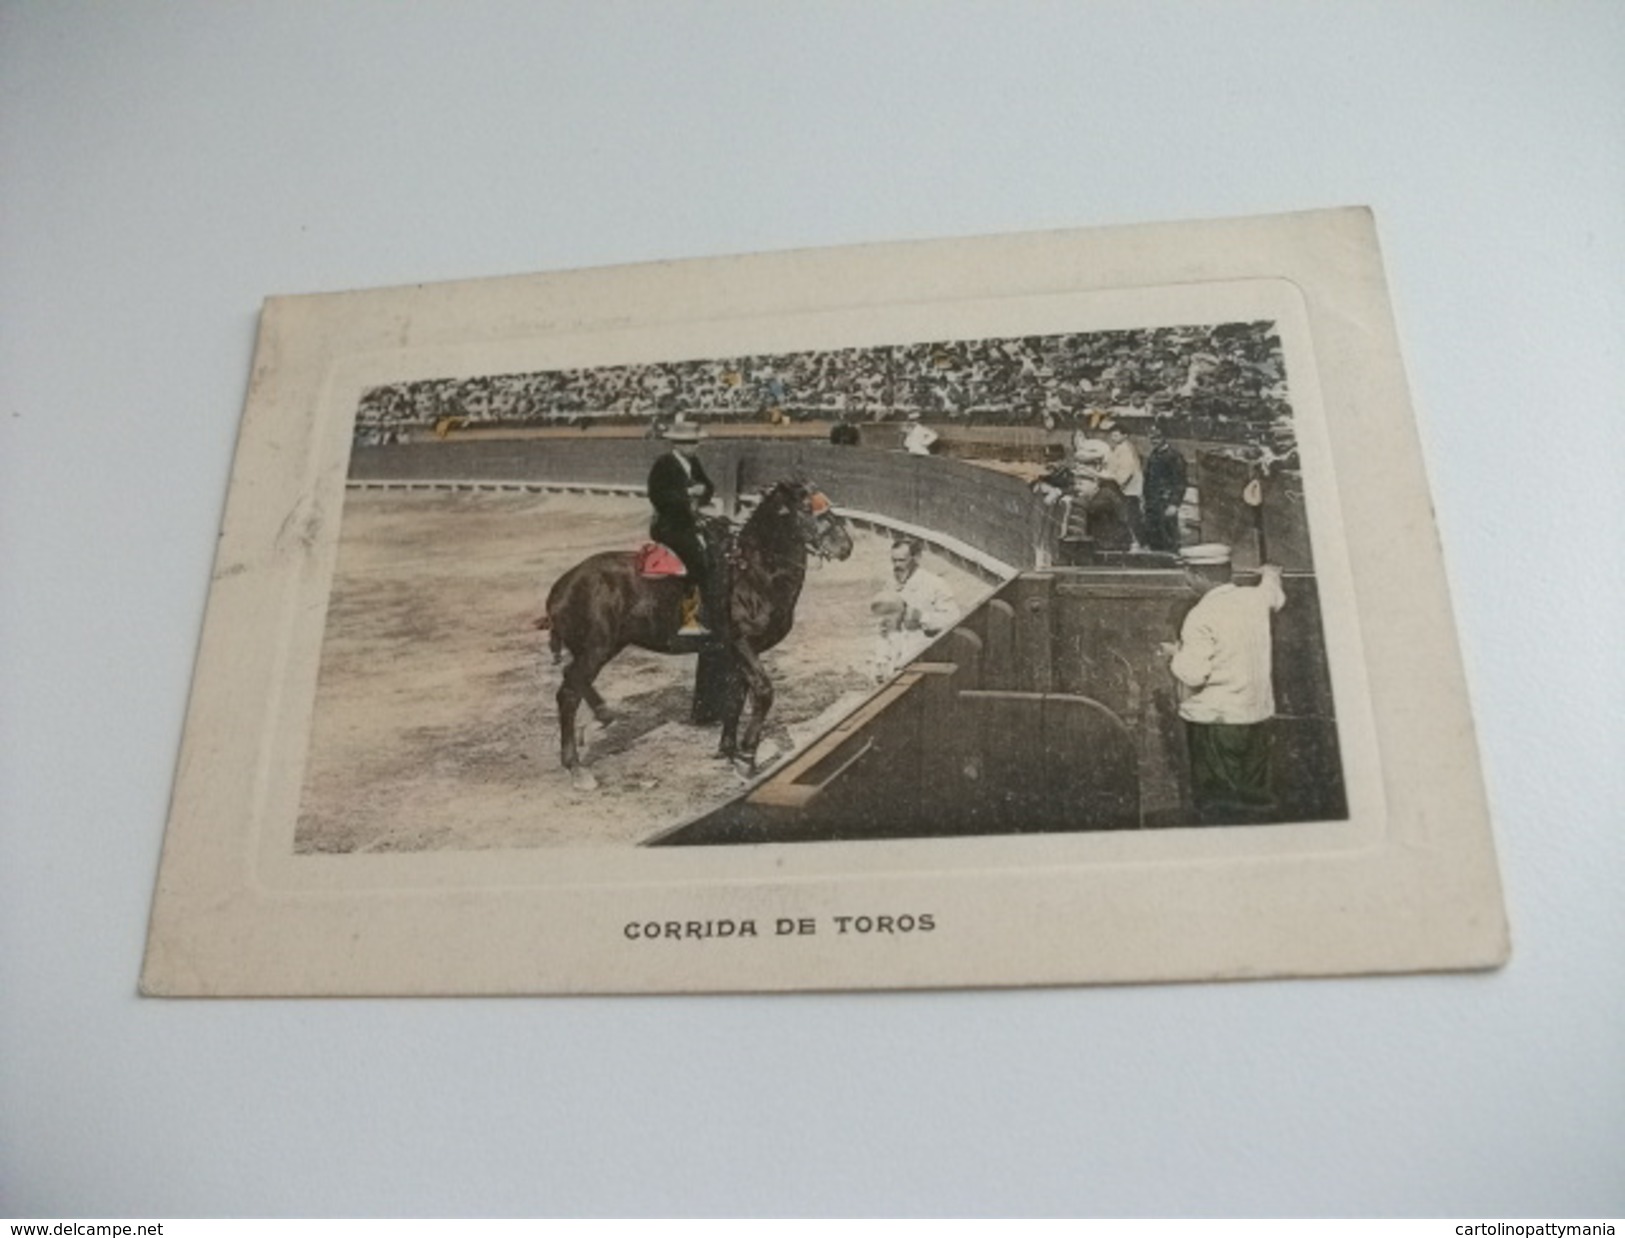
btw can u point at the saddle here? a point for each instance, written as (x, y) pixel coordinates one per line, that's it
(655, 560)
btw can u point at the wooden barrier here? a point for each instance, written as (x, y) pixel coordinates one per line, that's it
(999, 646)
(1049, 708)
(995, 517)
(1226, 517)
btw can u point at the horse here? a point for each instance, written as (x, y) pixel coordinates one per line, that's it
(602, 605)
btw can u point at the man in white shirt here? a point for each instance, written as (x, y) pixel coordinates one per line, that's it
(914, 612)
(917, 439)
(1123, 467)
(1224, 663)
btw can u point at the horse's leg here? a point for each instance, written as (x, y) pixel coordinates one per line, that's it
(577, 686)
(733, 705)
(569, 697)
(760, 688)
(600, 711)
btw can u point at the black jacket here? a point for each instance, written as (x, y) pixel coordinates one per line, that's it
(669, 483)
(1164, 478)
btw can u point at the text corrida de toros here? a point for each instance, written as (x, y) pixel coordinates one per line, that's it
(806, 926)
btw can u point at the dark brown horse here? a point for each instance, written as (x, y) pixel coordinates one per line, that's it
(602, 605)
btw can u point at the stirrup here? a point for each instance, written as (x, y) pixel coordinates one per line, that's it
(691, 616)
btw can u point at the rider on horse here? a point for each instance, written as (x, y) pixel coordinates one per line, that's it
(678, 488)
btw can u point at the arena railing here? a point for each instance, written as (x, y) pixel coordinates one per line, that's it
(986, 520)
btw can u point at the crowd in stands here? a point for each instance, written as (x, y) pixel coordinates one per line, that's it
(1230, 379)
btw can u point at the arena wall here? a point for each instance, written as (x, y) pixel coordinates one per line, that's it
(956, 505)
(1220, 480)
(1049, 708)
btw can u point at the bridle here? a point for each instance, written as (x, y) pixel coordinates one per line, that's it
(824, 519)
(813, 504)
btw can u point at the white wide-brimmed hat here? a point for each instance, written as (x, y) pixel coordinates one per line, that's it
(1206, 554)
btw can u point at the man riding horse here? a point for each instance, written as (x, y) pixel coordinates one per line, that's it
(678, 488)
(606, 602)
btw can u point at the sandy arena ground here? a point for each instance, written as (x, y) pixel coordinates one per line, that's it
(435, 724)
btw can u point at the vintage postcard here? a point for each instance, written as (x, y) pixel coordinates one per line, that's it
(1045, 609)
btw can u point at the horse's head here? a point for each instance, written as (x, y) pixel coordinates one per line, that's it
(801, 507)
(834, 538)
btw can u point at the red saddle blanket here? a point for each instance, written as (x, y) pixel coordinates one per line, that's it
(657, 560)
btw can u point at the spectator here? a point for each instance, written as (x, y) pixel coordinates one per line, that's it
(919, 438)
(1123, 467)
(1223, 663)
(1091, 504)
(1089, 455)
(1229, 379)
(918, 608)
(1165, 482)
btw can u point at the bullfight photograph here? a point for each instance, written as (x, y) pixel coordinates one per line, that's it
(1057, 583)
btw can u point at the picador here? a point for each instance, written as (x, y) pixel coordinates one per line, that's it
(678, 489)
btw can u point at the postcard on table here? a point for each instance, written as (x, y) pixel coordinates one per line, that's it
(1007, 611)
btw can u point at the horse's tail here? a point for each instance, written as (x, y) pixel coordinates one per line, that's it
(544, 623)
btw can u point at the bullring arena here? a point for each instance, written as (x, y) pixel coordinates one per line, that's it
(435, 717)
(435, 728)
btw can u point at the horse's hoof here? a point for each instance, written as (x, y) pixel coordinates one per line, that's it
(582, 779)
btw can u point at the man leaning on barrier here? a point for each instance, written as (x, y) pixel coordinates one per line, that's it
(914, 612)
(1224, 664)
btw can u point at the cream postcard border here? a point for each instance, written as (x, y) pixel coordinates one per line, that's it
(1408, 882)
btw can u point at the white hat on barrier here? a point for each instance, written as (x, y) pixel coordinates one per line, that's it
(1206, 554)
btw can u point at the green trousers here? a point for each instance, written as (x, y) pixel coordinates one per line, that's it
(1230, 773)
